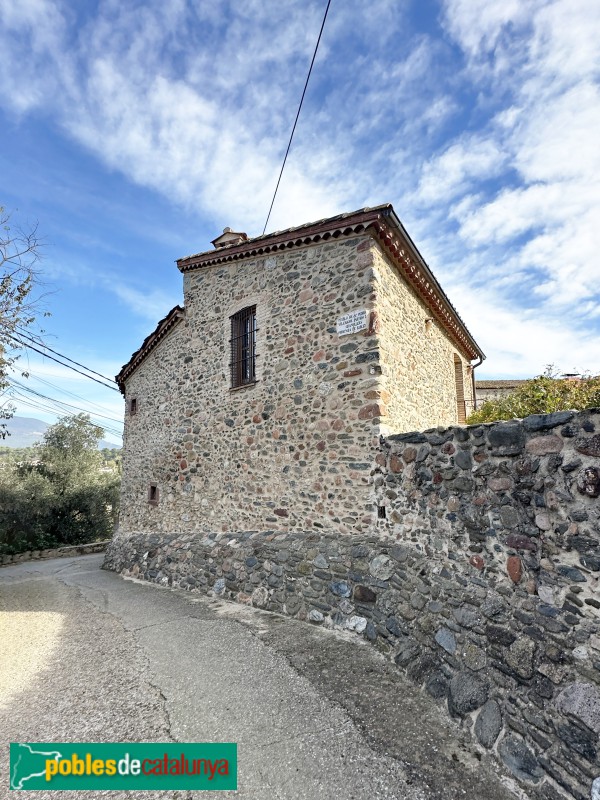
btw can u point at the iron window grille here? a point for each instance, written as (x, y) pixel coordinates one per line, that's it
(243, 347)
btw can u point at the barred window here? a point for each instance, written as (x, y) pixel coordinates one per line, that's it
(243, 347)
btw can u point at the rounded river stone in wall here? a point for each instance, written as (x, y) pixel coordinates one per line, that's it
(260, 597)
(544, 445)
(588, 482)
(467, 692)
(463, 460)
(488, 724)
(589, 446)
(520, 760)
(381, 567)
(340, 588)
(358, 624)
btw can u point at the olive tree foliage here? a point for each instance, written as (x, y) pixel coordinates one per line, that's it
(64, 495)
(19, 254)
(541, 395)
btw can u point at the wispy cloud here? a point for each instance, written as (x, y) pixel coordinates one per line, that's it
(481, 127)
(151, 305)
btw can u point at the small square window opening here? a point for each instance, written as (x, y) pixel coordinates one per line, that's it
(153, 494)
(133, 406)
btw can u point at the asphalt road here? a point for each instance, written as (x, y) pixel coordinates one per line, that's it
(88, 656)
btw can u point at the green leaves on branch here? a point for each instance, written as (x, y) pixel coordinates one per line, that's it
(63, 495)
(541, 395)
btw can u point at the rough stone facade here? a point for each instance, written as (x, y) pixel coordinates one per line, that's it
(293, 450)
(481, 582)
(495, 389)
(417, 356)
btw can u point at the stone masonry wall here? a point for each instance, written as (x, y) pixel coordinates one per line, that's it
(413, 347)
(294, 450)
(481, 582)
(506, 518)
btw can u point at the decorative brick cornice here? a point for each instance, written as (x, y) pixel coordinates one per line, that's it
(173, 318)
(387, 229)
(311, 233)
(417, 274)
(380, 222)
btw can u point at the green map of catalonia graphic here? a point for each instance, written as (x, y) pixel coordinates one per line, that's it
(28, 766)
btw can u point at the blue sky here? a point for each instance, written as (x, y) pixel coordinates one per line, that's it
(134, 132)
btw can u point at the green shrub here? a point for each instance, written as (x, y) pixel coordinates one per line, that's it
(541, 395)
(61, 497)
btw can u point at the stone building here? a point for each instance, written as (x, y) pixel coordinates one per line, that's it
(259, 405)
(495, 389)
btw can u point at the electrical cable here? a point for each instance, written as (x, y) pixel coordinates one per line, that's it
(56, 353)
(297, 115)
(49, 410)
(61, 402)
(37, 350)
(35, 377)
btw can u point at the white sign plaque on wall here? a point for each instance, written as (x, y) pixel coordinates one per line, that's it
(352, 323)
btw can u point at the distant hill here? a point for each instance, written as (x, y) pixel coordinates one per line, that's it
(26, 431)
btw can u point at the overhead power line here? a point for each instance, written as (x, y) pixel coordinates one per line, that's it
(61, 403)
(33, 376)
(297, 115)
(39, 406)
(85, 375)
(66, 358)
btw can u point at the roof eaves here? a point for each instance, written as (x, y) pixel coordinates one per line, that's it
(172, 319)
(308, 233)
(423, 281)
(392, 236)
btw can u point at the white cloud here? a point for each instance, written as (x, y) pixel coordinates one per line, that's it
(457, 168)
(541, 219)
(522, 343)
(501, 192)
(152, 305)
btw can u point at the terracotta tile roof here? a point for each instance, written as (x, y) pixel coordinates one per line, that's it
(166, 324)
(389, 232)
(381, 221)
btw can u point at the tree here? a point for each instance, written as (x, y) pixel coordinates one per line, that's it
(62, 496)
(19, 253)
(541, 395)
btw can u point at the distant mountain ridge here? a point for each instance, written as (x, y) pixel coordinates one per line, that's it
(26, 431)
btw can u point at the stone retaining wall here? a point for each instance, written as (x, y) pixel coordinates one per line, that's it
(56, 552)
(481, 581)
